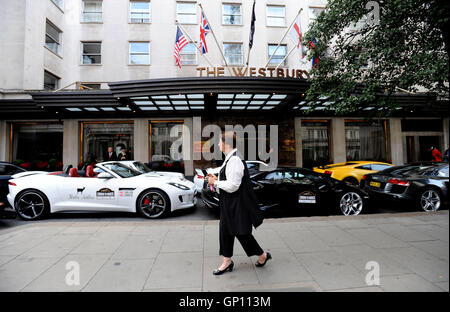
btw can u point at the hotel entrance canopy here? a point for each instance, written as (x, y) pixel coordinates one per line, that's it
(194, 97)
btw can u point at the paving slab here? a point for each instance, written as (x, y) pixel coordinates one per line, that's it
(405, 233)
(56, 277)
(407, 282)
(18, 273)
(243, 275)
(377, 238)
(176, 270)
(303, 241)
(139, 247)
(335, 236)
(436, 248)
(283, 268)
(183, 241)
(331, 271)
(121, 275)
(420, 262)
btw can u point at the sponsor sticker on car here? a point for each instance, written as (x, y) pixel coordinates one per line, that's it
(307, 197)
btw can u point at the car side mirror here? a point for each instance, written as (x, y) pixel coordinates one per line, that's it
(104, 175)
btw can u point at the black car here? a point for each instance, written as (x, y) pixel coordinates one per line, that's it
(424, 184)
(296, 190)
(6, 171)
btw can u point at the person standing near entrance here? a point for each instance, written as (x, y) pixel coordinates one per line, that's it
(238, 207)
(436, 154)
(110, 155)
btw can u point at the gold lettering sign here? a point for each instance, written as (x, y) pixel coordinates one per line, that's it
(253, 72)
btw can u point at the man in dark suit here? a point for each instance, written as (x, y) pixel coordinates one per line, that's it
(110, 155)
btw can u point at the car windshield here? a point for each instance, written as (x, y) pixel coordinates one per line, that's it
(122, 170)
(142, 168)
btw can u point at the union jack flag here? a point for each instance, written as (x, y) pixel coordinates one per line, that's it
(180, 43)
(204, 30)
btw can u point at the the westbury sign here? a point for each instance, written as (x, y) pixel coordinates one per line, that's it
(252, 72)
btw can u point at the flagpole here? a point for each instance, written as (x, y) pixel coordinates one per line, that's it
(217, 42)
(189, 37)
(249, 49)
(287, 31)
(285, 57)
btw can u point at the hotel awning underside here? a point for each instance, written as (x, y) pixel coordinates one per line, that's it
(252, 96)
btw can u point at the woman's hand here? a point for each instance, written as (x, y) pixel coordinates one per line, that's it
(211, 179)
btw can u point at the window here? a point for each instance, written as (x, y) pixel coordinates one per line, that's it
(58, 3)
(280, 54)
(92, 52)
(232, 14)
(315, 143)
(189, 54)
(276, 15)
(314, 12)
(51, 82)
(140, 11)
(92, 11)
(187, 13)
(140, 53)
(379, 167)
(233, 53)
(37, 146)
(365, 141)
(52, 37)
(97, 137)
(166, 143)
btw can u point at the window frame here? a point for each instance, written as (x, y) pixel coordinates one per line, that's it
(242, 52)
(223, 13)
(59, 4)
(310, 19)
(138, 53)
(130, 12)
(285, 63)
(82, 54)
(58, 42)
(195, 53)
(83, 12)
(52, 76)
(190, 14)
(268, 17)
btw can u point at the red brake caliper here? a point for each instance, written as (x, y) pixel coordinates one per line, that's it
(146, 201)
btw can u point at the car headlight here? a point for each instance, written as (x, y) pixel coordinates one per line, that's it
(178, 185)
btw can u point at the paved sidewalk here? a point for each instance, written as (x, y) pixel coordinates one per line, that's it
(309, 254)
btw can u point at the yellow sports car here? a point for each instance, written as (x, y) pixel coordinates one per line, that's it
(352, 171)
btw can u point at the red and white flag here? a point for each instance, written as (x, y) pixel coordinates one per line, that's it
(296, 36)
(180, 43)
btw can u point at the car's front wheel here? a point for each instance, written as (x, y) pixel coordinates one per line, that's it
(153, 204)
(31, 205)
(351, 204)
(430, 200)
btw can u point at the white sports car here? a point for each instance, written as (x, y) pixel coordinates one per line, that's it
(109, 186)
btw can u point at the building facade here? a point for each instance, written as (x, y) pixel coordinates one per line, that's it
(77, 76)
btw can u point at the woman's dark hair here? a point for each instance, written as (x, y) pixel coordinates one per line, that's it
(229, 137)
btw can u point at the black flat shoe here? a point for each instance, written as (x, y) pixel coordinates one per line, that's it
(228, 268)
(269, 256)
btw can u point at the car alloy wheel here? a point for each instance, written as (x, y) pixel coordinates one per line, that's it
(30, 205)
(152, 204)
(430, 200)
(351, 204)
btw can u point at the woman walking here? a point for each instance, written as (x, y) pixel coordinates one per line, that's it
(238, 207)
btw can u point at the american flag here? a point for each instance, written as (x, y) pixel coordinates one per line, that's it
(204, 30)
(180, 43)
